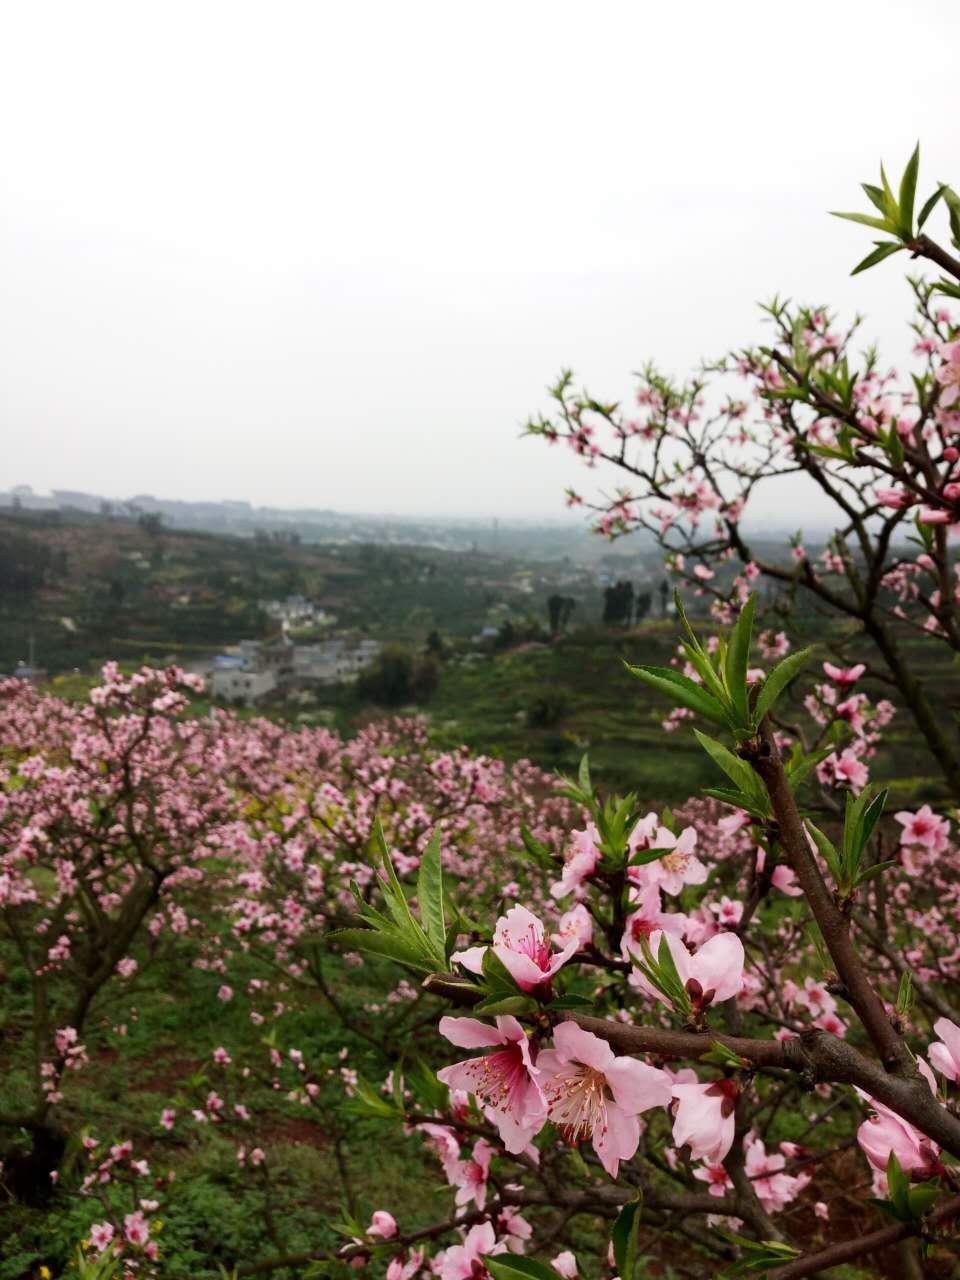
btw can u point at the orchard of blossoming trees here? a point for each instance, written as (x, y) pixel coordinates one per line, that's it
(448, 1018)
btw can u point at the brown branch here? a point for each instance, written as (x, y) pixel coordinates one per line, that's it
(833, 926)
(924, 247)
(847, 1250)
(816, 1054)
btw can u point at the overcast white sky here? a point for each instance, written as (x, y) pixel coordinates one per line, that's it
(329, 254)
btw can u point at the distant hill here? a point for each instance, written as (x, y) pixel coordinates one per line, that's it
(546, 539)
(78, 587)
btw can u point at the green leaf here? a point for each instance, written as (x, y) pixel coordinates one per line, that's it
(876, 197)
(883, 250)
(721, 1056)
(583, 776)
(825, 451)
(624, 1238)
(506, 1004)
(680, 689)
(894, 445)
(777, 681)
(728, 795)
(920, 1198)
(738, 658)
(737, 770)
(930, 205)
(898, 1185)
(537, 851)
(877, 869)
(393, 895)
(798, 768)
(908, 192)
(514, 1266)
(389, 945)
(891, 203)
(369, 1102)
(644, 856)
(879, 224)
(827, 851)
(661, 973)
(430, 895)
(759, 1255)
(572, 1001)
(870, 819)
(497, 975)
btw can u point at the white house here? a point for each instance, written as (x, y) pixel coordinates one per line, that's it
(241, 687)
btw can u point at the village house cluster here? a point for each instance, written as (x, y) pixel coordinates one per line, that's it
(258, 668)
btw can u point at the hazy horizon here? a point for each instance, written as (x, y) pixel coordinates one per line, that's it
(330, 256)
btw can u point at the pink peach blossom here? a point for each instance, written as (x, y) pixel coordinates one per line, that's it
(710, 975)
(885, 1131)
(924, 828)
(704, 1119)
(382, 1224)
(520, 944)
(592, 1093)
(580, 861)
(506, 1080)
(678, 867)
(470, 1176)
(945, 1052)
(844, 677)
(465, 1262)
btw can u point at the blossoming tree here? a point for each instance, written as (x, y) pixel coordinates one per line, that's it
(879, 448)
(660, 1026)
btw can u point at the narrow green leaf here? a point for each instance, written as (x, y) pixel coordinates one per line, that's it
(682, 690)
(737, 770)
(930, 205)
(685, 622)
(876, 870)
(875, 196)
(497, 975)
(702, 663)
(908, 192)
(777, 681)
(624, 1238)
(430, 896)
(891, 201)
(879, 224)
(738, 658)
(870, 819)
(583, 776)
(514, 1266)
(390, 946)
(898, 1185)
(920, 1199)
(883, 250)
(805, 764)
(506, 1004)
(671, 976)
(728, 795)
(539, 852)
(572, 1001)
(827, 850)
